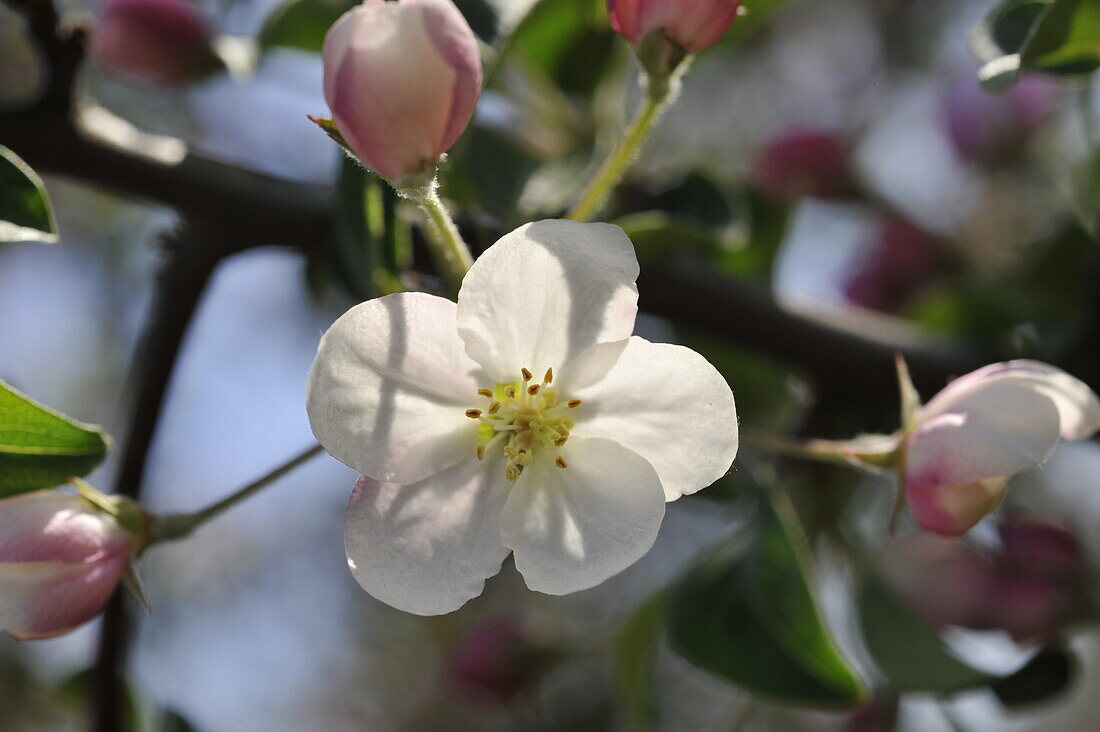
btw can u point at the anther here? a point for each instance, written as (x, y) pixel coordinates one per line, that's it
(526, 374)
(561, 440)
(512, 472)
(510, 392)
(560, 462)
(494, 407)
(487, 393)
(480, 450)
(533, 389)
(549, 378)
(574, 403)
(473, 413)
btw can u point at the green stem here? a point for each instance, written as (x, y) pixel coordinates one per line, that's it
(452, 256)
(659, 92)
(824, 451)
(178, 525)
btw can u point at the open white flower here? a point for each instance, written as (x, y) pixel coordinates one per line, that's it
(524, 419)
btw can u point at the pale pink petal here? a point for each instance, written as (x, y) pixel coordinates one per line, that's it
(546, 292)
(572, 528)
(389, 387)
(427, 547)
(664, 402)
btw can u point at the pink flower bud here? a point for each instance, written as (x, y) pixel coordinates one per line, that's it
(60, 561)
(982, 429)
(691, 24)
(984, 127)
(903, 261)
(803, 162)
(495, 662)
(1041, 550)
(402, 80)
(162, 41)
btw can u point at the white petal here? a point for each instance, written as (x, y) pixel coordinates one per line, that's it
(544, 293)
(388, 390)
(1000, 429)
(1078, 405)
(666, 403)
(572, 528)
(427, 547)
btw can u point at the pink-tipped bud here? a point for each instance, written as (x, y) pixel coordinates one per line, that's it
(691, 24)
(986, 128)
(903, 260)
(402, 80)
(804, 162)
(163, 41)
(496, 661)
(1041, 549)
(60, 561)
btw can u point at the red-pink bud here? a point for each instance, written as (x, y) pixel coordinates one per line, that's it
(1041, 549)
(495, 661)
(984, 127)
(162, 41)
(692, 24)
(803, 162)
(60, 561)
(402, 80)
(903, 261)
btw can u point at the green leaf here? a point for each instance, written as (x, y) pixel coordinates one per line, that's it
(25, 212)
(302, 24)
(1066, 39)
(750, 617)
(40, 448)
(657, 235)
(635, 657)
(908, 650)
(998, 38)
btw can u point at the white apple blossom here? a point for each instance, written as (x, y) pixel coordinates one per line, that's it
(982, 429)
(524, 419)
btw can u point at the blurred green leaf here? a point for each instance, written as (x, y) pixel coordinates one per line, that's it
(750, 617)
(764, 231)
(41, 448)
(25, 212)
(657, 235)
(1046, 675)
(303, 24)
(635, 658)
(1066, 39)
(906, 649)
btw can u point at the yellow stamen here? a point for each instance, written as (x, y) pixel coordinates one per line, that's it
(549, 378)
(487, 393)
(512, 472)
(526, 374)
(494, 407)
(533, 389)
(473, 413)
(574, 403)
(510, 392)
(480, 451)
(560, 462)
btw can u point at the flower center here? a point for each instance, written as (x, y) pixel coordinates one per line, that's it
(521, 417)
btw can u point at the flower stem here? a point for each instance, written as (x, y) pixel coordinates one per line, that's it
(660, 91)
(178, 525)
(451, 254)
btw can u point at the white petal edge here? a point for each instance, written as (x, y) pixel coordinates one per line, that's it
(428, 547)
(571, 528)
(1078, 405)
(546, 292)
(666, 403)
(388, 390)
(997, 430)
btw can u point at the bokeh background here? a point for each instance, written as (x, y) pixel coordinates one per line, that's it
(837, 155)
